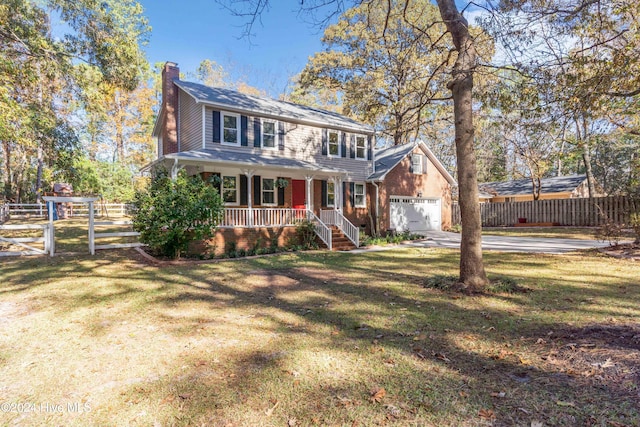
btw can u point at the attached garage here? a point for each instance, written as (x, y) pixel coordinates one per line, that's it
(415, 214)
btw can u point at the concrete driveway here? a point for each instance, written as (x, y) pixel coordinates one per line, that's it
(443, 239)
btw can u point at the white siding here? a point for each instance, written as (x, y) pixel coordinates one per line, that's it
(302, 142)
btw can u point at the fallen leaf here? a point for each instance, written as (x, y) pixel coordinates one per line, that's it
(269, 411)
(442, 357)
(378, 395)
(185, 396)
(486, 414)
(524, 361)
(565, 404)
(498, 394)
(420, 337)
(292, 422)
(535, 423)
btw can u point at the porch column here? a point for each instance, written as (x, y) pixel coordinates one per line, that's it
(309, 179)
(174, 169)
(249, 174)
(337, 187)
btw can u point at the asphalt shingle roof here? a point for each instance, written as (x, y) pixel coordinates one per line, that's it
(388, 158)
(557, 184)
(249, 159)
(267, 106)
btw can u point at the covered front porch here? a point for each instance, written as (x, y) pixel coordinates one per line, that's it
(264, 192)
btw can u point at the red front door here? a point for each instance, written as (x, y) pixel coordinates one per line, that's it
(298, 199)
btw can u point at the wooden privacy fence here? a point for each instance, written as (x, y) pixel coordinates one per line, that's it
(580, 212)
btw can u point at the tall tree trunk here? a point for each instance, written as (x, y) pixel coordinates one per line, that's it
(39, 174)
(6, 151)
(472, 272)
(586, 154)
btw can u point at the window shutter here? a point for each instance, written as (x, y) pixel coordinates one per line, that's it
(323, 193)
(243, 190)
(257, 131)
(424, 164)
(281, 135)
(244, 133)
(219, 187)
(369, 147)
(344, 194)
(325, 143)
(216, 126)
(352, 146)
(343, 143)
(411, 163)
(257, 190)
(352, 194)
(280, 195)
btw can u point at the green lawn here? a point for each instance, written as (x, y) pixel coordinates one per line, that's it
(318, 339)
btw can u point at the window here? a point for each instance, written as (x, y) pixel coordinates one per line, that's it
(268, 191)
(331, 194)
(269, 134)
(416, 163)
(230, 128)
(230, 189)
(361, 147)
(334, 143)
(359, 196)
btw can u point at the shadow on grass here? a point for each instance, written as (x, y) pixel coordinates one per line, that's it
(372, 308)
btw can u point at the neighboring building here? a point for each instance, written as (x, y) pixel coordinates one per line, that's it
(521, 190)
(276, 162)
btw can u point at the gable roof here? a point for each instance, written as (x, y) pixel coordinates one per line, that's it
(558, 184)
(388, 158)
(235, 101)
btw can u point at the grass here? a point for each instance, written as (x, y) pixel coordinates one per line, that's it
(582, 233)
(319, 339)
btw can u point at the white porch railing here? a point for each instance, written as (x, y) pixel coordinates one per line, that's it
(261, 217)
(323, 232)
(334, 217)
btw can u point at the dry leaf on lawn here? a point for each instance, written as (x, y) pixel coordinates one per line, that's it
(269, 411)
(486, 414)
(377, 395)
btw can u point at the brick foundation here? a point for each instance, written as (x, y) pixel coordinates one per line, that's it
(245, 239)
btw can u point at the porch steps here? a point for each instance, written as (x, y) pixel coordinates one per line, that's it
(339, 241)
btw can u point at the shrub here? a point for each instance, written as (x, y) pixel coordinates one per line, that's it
(171, 213)
(306, 235)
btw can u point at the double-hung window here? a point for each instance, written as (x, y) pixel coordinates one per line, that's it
(334, 143)
(269, 133)
(230, 128)
(331, 194)
(359, 197)
(416, 163)
(268, 191)
(230, 189)
(361, 147)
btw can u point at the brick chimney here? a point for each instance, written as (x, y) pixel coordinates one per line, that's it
(170, 73)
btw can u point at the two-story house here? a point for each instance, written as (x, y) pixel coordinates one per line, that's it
(276, 162)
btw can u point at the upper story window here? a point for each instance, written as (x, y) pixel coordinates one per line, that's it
(269, 133)
(230, 128)
(230, 189)
(331, 194)
(268, 191)
(334, 143)
(361, 147)
(416, 163)
(359, 197)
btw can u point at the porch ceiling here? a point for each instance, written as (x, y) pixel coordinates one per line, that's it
(248, 160)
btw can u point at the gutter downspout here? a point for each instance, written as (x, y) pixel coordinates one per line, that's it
(377, 207)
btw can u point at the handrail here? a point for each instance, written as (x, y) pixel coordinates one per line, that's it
(334, 217)
(321, 229)
(260, 217)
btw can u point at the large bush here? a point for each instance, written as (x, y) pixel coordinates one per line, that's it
(170, 214)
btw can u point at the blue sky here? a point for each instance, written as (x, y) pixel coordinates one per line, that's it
(189, 31)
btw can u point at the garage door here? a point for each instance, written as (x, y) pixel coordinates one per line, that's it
(415, 214)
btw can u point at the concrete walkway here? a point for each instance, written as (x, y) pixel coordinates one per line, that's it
(443, 239)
